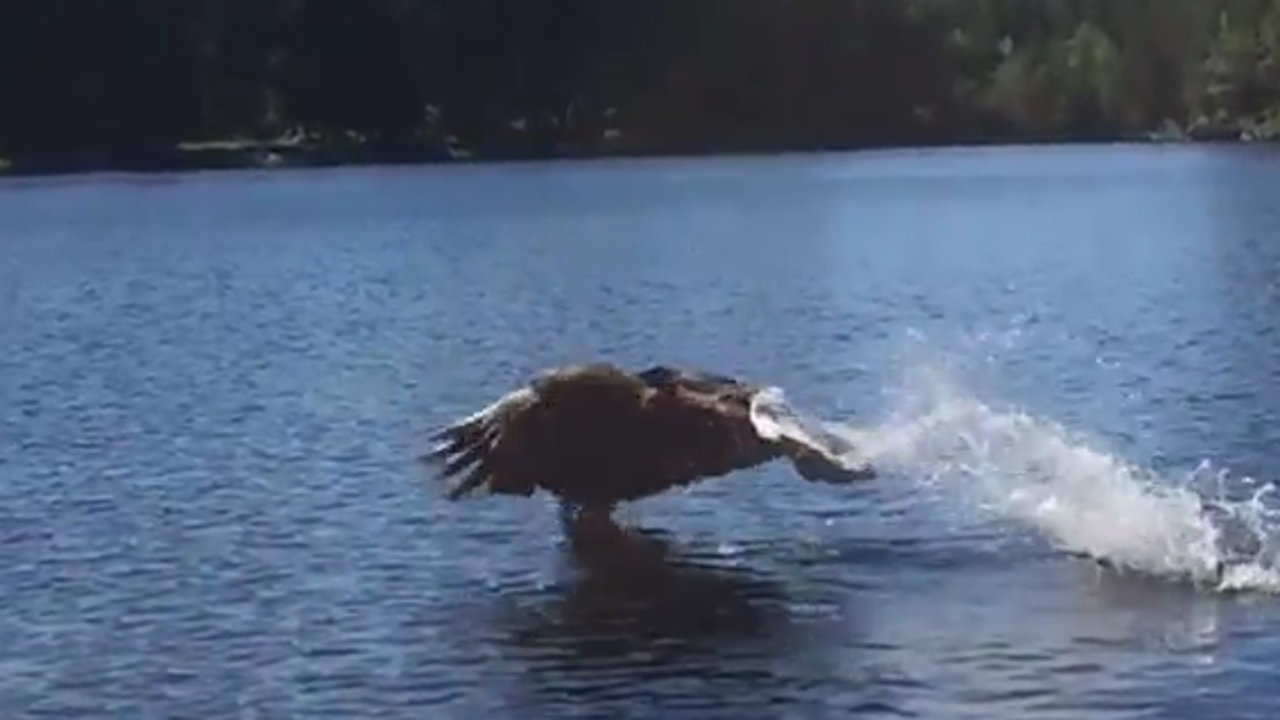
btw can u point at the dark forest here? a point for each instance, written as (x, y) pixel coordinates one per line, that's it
(132, 83)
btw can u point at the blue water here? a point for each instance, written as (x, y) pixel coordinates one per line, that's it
(213, 388)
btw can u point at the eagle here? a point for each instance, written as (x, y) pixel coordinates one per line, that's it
(597, 435)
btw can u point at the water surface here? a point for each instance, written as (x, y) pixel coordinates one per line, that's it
(214, 387)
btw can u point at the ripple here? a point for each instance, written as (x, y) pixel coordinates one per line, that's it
(208, 506)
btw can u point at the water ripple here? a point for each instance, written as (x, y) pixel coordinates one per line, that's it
(213, 388)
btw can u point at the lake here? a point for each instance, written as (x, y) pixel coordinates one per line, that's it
(214, 388)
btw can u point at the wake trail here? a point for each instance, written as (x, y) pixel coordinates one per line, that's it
(1034, 473)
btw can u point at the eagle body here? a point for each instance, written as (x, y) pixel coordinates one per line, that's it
(597, 435)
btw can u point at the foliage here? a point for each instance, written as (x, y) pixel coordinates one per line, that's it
(510, 78)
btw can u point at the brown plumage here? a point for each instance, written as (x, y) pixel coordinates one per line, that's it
(596, 435)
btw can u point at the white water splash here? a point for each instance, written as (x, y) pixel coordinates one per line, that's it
(1037, 474)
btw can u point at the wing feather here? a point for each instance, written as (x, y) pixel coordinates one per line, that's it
(476, 444)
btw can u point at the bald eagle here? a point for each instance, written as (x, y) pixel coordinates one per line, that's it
(596, 435)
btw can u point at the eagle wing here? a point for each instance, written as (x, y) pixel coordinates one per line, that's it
(714, 425)
(554, 433)
(483, 444)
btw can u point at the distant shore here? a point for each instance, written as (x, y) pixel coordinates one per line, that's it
(268, 154)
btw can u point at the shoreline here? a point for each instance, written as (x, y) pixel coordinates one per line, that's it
(271, 155)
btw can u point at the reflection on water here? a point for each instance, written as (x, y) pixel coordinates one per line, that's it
(652, 619)
(622, 598)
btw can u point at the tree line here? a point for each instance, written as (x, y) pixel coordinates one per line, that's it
(517, 78)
